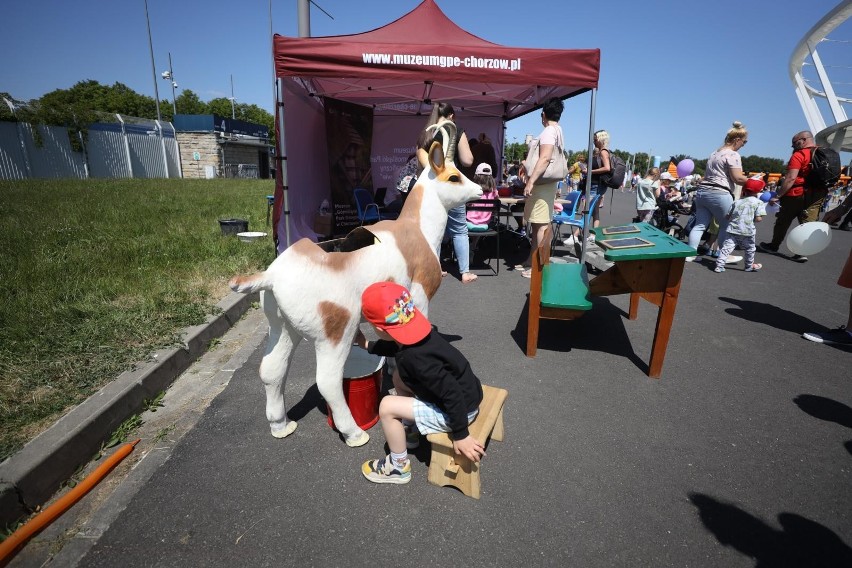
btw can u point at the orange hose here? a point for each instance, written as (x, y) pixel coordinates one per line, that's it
(10, 546)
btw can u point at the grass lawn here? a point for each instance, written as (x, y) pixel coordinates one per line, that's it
(97, 274)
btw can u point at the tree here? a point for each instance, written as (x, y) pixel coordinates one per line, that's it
(222, 107)
(516, 151)
(187, 102)
(82, 103)
(257, 115)
(761, 164)
(642, 162)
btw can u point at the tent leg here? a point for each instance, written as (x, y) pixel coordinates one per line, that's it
(282, 159)
(587, 215)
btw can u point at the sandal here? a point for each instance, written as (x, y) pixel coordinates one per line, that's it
(467, 278)
(754, 267)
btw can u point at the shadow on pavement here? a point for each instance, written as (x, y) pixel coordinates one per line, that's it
(776, 317)
(603, 320)
(770, 315)
(825, 409)
(312, 400)
(828, 410)
(799, 542)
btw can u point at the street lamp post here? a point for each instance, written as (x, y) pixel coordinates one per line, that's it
(233, 110)
(170, 75)
(153, 67)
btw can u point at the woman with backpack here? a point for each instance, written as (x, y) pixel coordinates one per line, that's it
(601, 166)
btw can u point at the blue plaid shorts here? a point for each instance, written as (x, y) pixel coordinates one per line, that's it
(430, 419)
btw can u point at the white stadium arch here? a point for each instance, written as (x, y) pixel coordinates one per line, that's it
(837, 131)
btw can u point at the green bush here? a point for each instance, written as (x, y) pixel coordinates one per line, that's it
(97, 274)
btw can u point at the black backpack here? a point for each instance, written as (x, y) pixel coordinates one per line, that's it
(825, 168)
(617, 170)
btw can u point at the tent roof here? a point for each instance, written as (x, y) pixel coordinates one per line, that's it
(423, 56)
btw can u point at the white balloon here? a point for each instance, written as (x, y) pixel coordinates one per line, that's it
(809, 238)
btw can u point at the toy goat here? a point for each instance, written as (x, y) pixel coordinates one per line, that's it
(310, 293)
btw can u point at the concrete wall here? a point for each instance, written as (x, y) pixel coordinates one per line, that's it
(208, 153)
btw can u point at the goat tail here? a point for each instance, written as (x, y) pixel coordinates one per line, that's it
(251, 283)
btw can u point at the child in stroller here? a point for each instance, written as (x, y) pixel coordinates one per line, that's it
(670, 204)
(666, 217)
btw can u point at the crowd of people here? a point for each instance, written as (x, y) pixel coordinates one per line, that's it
(436, 390)
(718, 209)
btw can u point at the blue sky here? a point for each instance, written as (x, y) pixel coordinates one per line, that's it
(674, 74)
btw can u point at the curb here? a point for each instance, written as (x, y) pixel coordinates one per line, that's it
(32, 475)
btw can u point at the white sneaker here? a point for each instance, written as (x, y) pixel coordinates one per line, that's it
(570, 241)
(690, 259)
(590, 238)
(733, 259)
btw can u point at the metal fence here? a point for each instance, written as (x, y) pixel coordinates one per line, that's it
(129, 148)
(244, 171)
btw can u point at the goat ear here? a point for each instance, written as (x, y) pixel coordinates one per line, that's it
(436, 157)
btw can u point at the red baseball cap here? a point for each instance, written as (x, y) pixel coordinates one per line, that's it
(754, 185)
(389, 307)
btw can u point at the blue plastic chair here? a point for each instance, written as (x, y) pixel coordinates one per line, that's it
(568, 213)
(368, 210)
(571, 219)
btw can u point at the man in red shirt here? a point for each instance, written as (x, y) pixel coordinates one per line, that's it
(797, 200)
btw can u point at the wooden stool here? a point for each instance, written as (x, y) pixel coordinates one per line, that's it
(447, 468)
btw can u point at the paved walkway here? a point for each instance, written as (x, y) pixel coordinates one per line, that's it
(740, 455)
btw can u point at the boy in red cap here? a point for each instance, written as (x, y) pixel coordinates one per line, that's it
(745, 212)
(436, 389)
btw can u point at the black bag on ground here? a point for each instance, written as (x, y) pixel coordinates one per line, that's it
(825, 169)
(617, 170)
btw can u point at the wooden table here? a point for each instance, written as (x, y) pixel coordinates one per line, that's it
(509, 201)
(653, 273)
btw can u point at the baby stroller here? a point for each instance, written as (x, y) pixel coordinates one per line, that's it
(666, 217)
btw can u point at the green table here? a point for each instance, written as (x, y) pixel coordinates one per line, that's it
(653, 273)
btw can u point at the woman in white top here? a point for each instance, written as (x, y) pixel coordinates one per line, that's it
(715, 193)
(538, 208)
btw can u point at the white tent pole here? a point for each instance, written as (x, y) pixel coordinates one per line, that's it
(587, 217)
(282, 158)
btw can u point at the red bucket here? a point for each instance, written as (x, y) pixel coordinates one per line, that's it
(362, 382)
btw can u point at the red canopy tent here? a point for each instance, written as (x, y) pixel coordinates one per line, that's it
(397, 71)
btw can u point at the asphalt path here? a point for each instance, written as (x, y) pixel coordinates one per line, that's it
(740, 455)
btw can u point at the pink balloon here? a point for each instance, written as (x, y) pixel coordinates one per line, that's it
(685, 167)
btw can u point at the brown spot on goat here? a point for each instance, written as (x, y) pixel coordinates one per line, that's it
(335, 318)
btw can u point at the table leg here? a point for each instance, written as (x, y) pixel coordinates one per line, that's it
(634, 306)
(658, 281)
(665, 317)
